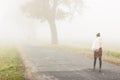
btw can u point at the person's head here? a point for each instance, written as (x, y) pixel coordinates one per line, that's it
(98, 35)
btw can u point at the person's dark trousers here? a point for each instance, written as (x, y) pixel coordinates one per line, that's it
(100, 62)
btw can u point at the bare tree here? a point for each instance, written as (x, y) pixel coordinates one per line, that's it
(52, 10)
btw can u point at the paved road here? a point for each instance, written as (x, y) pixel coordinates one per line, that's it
(57, 64)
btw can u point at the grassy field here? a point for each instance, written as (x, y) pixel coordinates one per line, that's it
(111, 56)
(112, 53)
(11, 67)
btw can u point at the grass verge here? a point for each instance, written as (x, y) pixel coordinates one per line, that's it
(11, 67)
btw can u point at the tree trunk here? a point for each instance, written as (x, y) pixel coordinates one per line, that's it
(54, 36)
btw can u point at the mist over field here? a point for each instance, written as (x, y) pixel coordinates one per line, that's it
(96, 16)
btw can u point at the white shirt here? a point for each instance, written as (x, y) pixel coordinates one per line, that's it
(97, 43)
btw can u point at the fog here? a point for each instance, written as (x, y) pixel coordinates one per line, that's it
(96, 16)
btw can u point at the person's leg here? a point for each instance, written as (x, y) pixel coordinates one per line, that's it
(95, 58)
(100, 63)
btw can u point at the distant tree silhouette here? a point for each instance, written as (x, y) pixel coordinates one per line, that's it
(52, 10)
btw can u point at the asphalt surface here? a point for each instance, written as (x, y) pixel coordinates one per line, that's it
(57, 64)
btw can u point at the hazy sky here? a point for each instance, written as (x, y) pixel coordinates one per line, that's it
(97, 16)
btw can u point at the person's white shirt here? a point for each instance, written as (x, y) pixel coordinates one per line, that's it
(97, 44)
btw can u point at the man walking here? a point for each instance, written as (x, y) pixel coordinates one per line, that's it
(97, 49)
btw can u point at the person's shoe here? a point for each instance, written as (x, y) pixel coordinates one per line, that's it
(93, 69)
(99, 70)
